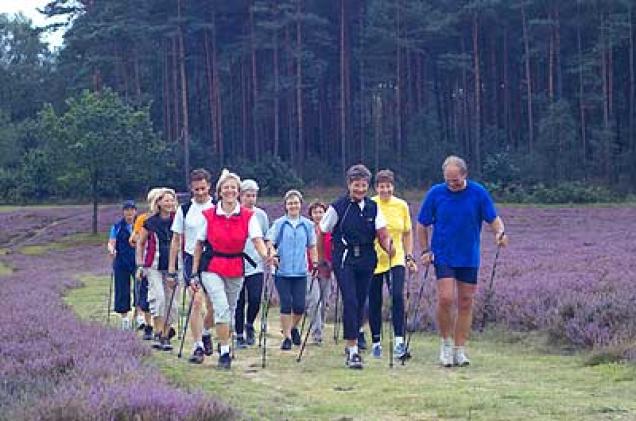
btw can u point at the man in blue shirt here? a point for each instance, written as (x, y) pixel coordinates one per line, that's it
(456, 210)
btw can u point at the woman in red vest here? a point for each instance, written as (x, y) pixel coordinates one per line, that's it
(227, 227)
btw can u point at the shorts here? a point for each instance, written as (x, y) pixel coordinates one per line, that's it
(462, 274)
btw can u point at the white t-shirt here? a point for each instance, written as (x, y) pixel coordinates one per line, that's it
(330, 219)
(193, 221)
(254, 227)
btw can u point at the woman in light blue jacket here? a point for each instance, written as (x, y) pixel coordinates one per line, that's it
(292, 235)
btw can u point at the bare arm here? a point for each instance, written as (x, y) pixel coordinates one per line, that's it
(497, 226)
(385, 241)
(175, 246)
(313, 254)
(196, 259)
(141, 244)
(111, 246)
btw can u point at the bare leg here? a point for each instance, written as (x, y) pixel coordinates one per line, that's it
(445, 301)
(466, 293)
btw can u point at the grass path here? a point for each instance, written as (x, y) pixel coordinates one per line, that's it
(508, 381)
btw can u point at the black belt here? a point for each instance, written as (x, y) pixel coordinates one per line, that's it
(235, 256)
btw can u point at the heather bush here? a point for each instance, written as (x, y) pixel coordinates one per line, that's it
(54, 367)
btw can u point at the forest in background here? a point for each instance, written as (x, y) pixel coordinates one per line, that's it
(537, 95)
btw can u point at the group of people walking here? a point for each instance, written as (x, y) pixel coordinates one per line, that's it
(224, 251)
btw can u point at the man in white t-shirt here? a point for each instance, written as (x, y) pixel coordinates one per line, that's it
(187, 222)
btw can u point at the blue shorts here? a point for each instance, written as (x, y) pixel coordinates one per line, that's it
(462, 274)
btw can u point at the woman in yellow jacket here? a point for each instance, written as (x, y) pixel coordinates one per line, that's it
(398, 218)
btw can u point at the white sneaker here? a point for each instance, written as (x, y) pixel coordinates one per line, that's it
(125, 324)
(459, 357)
(446, 355)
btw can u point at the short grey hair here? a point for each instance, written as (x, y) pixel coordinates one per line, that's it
(358, 172)
(293, 193)
(455, 161)
(249, 184)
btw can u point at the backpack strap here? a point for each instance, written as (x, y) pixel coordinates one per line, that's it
(279, 236)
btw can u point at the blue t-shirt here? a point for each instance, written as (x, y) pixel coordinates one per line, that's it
(457, 218)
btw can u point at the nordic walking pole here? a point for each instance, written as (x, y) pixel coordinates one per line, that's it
(302, 324)
(336, 327)
(391, 287)
(165, 322)
(185, 325)
(180, 312)
(110, 296)
(417, 309)
(488, 302)
(316, 310)
(407, 303)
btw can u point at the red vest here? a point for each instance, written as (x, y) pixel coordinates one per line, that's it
(227, 235)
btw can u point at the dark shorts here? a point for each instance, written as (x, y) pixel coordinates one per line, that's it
(462, 274)
(187, 267)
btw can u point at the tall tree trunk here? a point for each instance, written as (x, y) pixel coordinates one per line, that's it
(276, 90)
(477, 113)
(632, 84)
(299, 89)
(255, 94)
(398, 85)
(216, 83)
(551, 59)
(583, 124)
(184, 99)
(211, 96)
(175, 90)
(526, 47)
(343, 120)
(506, 88)
(363, 102)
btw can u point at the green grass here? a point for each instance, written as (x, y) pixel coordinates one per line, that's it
(65, 243)
(509, 379)
(5, 269)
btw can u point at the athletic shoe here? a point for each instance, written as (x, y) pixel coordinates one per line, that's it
(317, 340)
(446, 355)
(355, 361)
(157, 344)
(399, 351)
(225, 362)
(376, 350)
(165, 344)
(362, 343)
(295, 336)
(208, 349)
(171, 333)
(141, 322)
(148, 333)
(197, 356)
(459, 357)
(250, 338)
(125, 324)
(286, 345)
(240, 342)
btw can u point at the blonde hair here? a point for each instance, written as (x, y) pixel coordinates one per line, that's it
(154, 207)
(225, 176)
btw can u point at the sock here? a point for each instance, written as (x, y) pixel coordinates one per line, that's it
(225, 349)
(376, 344)
(206, 332)
(140, 320)
(239, 335)
(353, 349)
(447, 341)
(399, 340)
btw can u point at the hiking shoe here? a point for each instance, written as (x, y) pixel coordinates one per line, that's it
(446, 355)
(225, 362)
(355, 361)
(250, 338)
(317, 340)
(208, 349)
(172, 333)
(295, 336)
(197, 356)
(459, 357)
(165, 344)
(141, 322)
(399, 351)
(156, 343)
(376, 351)
(148, 333)
(286, 345)
(362, 343)
(240, 342)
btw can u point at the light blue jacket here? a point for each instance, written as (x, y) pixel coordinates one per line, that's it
(292, 238)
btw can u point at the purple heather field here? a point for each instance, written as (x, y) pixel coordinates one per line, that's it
(569, 272)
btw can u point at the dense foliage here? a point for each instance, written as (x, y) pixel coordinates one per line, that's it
(544, 88)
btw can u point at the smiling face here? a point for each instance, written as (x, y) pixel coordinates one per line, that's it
(316, 214)
(385, 190)
(166, 203)
(200, 190)
(229, 191)
(292, 206)
(358, 189)
(248, 198)
(455, 178)
(129, 214)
